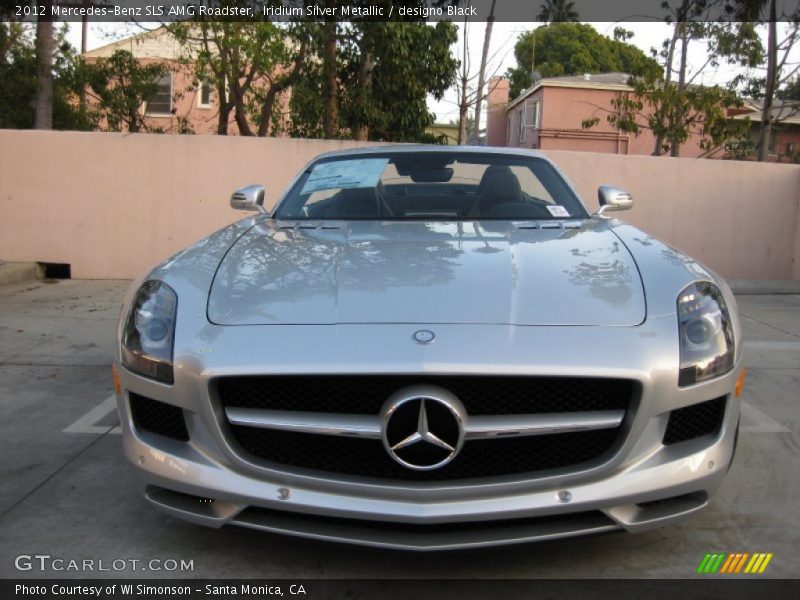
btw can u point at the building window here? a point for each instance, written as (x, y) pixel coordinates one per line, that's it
(161, 102)
(537, 114)
(521, 123)
(508, 129)
(204, 94)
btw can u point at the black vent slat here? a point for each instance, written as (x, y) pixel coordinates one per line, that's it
(694, 421)
(481, 395)
(158, 417)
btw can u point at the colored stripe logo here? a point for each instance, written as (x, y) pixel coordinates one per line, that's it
(735, 562)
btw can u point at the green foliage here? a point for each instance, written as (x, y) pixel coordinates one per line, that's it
(674, 114)
(18, 81)
(574, 49)
(383, 80)
(791, 91)
(247, 63)
(394, 107)
(119, 85)
(674, 108)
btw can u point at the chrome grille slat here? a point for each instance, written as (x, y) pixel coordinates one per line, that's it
(476, 427)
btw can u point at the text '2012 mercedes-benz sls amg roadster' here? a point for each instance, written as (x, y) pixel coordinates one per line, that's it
(430, 348)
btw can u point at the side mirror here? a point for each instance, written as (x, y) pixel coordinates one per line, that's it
(612, 198)
(249, 198)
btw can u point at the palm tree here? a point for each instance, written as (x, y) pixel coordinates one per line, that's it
(44, 68)
(557, 10)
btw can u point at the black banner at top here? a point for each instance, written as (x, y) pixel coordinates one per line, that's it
(622, 11)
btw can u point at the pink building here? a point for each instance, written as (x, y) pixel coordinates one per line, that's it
(549, 116)
(181, 99)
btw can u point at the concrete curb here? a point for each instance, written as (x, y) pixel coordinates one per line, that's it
(16, 272)
(749, 287)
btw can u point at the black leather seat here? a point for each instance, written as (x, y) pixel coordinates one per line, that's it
(354, 203)
(497, 186)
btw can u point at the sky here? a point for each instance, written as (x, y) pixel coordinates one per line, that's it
(501, 52)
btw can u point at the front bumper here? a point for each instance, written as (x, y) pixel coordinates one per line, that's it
(646, 484)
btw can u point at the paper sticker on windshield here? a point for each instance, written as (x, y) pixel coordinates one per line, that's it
(341, 174)
(557, 210)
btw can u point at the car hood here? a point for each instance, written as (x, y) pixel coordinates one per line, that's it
(415, 272)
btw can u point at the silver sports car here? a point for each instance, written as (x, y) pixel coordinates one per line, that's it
(430, 348)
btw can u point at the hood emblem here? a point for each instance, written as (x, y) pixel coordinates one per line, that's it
(424, 336)
(423, 432)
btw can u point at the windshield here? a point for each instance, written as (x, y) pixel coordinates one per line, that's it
(430, 186)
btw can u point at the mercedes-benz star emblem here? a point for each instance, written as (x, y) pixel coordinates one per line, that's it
(424, 336)
(423, 432)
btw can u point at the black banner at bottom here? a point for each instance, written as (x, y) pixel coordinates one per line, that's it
(405, 589)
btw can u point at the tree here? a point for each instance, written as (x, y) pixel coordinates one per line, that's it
(674, 114)
(487, 38)
(678, 106)
(691, 23)
(249, 64)
(18, 81)
(379, 88)
(45, 42)
(574, 49)
(777, 79)
(119, 86)
(557, 10)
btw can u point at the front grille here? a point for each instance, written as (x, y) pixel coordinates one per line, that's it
(478, 458)
(695, 421)
(158, 417)
(481, 395)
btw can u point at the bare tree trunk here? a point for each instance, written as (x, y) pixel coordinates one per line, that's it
(224, 108)
(463, 102)
(674, 146)
(659, 147)
(487, 38)
(765, 132)
(278, 87)
(361, 131)
(330, 120)
(44, 68)
(240, 111)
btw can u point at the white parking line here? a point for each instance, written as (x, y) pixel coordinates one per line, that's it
(763, 423)
(88, 422)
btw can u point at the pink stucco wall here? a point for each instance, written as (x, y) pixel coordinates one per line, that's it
(112, 204)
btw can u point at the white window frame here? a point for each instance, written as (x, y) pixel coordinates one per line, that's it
(521, 123)
(147, 112)
(537, 114)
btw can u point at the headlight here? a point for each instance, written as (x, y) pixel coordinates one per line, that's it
(706, 334)
(149, 332)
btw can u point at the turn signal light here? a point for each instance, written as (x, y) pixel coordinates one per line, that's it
(118, 385)
(740, 382)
